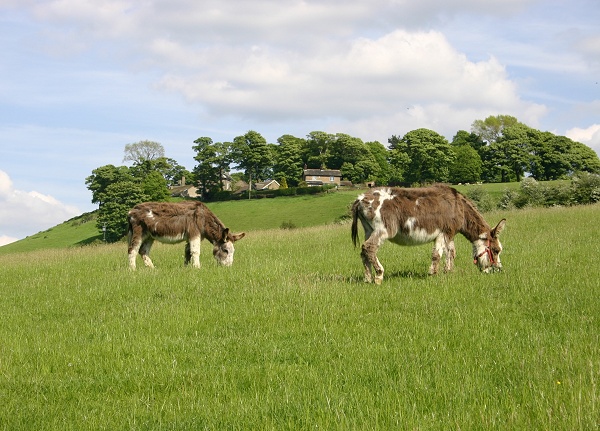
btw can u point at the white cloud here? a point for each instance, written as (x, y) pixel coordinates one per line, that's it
(25, 213)
(86, 77)
(280, 61)
(589, 136)
(365, 80)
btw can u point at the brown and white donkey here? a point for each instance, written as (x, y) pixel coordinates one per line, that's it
(413, 216)
(188, 221)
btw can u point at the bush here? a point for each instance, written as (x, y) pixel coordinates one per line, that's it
(482, 199)
(288, 225)
(586, 188)
(508, 199)
(559, 195)
(532, 193)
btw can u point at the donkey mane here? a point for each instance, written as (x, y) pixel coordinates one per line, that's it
(474, 223)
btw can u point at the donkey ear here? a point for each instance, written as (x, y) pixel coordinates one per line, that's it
(499, 228)
(225, 235)
(237, 236)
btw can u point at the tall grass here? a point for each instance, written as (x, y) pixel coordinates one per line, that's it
(290, 337)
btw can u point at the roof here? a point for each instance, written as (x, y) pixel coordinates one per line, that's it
(323, 172)
(261, 185)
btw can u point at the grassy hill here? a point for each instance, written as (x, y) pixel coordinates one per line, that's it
(244, 215)
(256, 214)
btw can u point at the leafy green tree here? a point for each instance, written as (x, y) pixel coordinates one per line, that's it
(467, 165)
(142, 151)
(550, 157)
(173, 172)
(463, 137)
(288, 160)
(380, 155)
(103, 177)
(584, 159)
(149, 173)
(252, 154)
(427, 156)
(155, 187)
(511, 151)
(398, 162)
(353, 158)
(317, 150)
(120, 197)
(554, 157)
(492, 128)
(208, 170)
(503, 157)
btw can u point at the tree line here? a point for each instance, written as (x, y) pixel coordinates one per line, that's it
(497, 149)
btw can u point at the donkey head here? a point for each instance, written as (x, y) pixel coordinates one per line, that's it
(486, 250)
(223, 248)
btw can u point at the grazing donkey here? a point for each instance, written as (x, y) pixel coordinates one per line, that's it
(416, 216)
(189, 221)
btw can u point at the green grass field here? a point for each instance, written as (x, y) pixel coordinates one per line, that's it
(256, 214)
(291, 338)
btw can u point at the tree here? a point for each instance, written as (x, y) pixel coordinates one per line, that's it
(208, 169)
(511, 151)
(467, 165)
(120, 197)
(252, 154)
(103, 177)
(174, 173)
(154, 186)
(463, 137)
(288, 160)
(380, 155)
(426, 156)
(584, 159)
(317, 150)
(353, 158)
(550, 157)
(142, 151)
(491, 129)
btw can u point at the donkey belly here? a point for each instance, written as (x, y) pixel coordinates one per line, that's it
(173, 239)
(416, 236)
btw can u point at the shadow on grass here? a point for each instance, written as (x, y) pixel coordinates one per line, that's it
(96, 239)
(407, 274)
(359, 279)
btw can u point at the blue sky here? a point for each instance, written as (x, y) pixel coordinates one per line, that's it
(80, 79)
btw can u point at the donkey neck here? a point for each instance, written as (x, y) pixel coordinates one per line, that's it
(213, 229)
(474, 224)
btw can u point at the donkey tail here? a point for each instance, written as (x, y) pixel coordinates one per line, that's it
(129, 230)
(355, 210)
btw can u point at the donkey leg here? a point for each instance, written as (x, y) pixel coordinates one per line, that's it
(437, 253)
(369, 258)
(145, 252)
(367, 264)
(135, 242)
(188, 254)
(450, 255)
(193, 246)
(134, 248)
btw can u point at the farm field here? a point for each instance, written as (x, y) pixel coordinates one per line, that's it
(291, 338)
(258, 214)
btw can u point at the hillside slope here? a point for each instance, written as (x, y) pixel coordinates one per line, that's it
(244, 215)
